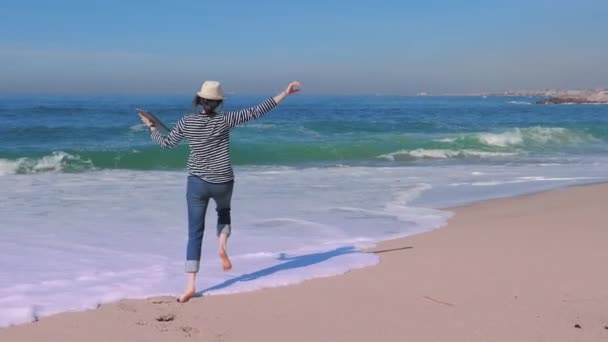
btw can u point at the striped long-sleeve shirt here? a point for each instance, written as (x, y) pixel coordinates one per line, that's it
(209, 138)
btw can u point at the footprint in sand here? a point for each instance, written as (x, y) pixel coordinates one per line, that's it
(166, 318)
(189, 331)
(161, 301)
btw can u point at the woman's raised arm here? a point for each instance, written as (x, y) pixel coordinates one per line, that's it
(235, 118)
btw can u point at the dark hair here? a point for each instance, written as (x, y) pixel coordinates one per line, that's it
(208, 105)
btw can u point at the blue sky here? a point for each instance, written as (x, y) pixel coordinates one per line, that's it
(333, 47)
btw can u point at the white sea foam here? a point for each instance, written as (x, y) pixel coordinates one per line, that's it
(535, 135)
(533, 179)
(520, 102)
(8, 167)
(546, 135)
(284, 236)
(138, 127)
(514, 137)
(442, 154)
(523, 137)
(57, 161)
(446, 140)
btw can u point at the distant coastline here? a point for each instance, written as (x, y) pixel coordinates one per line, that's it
(549, 96)
(590, 97)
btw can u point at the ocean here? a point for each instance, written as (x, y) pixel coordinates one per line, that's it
(93, 211)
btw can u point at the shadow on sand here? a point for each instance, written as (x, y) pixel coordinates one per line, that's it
(292, 262)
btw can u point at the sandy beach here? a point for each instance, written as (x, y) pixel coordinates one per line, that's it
(530, 268)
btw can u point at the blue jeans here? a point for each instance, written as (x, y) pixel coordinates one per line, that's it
(198, 194)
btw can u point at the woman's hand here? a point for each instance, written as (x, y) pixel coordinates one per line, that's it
(293, 88)
(147, 121)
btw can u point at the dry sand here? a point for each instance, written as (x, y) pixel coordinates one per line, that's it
(522, 269)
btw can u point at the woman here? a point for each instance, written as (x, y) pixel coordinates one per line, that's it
(209, 167)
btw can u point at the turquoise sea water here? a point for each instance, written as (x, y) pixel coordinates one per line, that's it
(104, 133)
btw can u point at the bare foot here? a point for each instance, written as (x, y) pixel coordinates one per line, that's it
(187, 295)
(226, 264)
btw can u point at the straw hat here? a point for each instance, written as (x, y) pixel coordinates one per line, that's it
(211, 90)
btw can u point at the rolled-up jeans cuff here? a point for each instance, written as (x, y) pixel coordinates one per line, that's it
(192, 266)
(224, 229)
